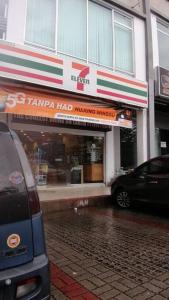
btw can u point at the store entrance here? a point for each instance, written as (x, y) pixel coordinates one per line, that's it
(62, 159)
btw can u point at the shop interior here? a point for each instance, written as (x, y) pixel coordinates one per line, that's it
(63, 159)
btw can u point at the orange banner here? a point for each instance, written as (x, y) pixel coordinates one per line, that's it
(32, 103)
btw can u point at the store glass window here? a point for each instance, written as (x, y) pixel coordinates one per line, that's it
(163, 44)
(128, 143)
(100, 35)
(72, 28)
(63, 159)
(41, 23)
(123, 43)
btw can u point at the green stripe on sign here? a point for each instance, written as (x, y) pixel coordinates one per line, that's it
(120, 87)
(30, 64)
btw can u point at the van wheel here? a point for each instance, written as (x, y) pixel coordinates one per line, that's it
(122, 198)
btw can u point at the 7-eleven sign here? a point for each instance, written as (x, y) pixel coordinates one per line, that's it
(81, 78)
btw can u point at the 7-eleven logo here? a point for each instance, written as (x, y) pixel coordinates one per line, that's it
(81, 77)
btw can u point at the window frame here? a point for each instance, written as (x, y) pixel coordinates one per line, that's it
(133, 41)
(87, 60)
(39, 46)
(166, 24)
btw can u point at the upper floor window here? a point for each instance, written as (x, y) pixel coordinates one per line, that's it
(163, 44)
(123, 30)
(72, 28)
(83, 29)
(3, 18)
(100, 37)
(41, 23)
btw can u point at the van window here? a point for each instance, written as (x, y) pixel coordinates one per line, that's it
(13, 193)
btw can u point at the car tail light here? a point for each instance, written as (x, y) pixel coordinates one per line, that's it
(34, 202)
(26, 287)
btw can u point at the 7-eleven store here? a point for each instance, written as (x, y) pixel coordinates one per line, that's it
(79, 124)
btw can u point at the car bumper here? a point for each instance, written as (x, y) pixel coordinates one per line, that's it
(39, 267)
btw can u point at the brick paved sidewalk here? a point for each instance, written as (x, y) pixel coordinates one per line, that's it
(106, 254)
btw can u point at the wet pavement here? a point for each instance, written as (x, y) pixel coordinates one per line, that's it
(106, 253)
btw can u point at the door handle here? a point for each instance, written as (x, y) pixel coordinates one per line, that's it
(155, 182)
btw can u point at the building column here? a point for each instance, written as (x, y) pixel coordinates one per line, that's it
(150, 79)
(112, 151)
(141, 136)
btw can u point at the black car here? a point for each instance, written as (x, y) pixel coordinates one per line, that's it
(148, 182)
(24, 265)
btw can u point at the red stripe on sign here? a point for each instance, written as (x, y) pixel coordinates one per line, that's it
(121, 96)
(31, 53)
(68, 286)
(78, 66)
(30, 75)
(121, 79)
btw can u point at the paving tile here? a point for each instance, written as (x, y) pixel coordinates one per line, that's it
(112, 278)
(106, 274)
(109, 295)
(97, 281)
(163, 277)
(102, 289)
(119, 286)
(133, 292)
(123, 297)
(165, 293)
(87, 284)
(93, 271)
(104, 253)
(128, 283)
(144, 296)
(80, 277)
(152, 287)
(158, 297)
(160, 284)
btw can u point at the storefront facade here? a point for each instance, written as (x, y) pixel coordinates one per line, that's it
(68, 139)
(80, 109)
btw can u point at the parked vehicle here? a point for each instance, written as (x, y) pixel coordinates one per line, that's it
(148, 182)
(24, 266)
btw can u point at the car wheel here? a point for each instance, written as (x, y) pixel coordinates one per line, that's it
(122, 198)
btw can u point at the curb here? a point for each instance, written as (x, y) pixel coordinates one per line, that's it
(50, 206)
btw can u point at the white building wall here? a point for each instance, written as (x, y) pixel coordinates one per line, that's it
(140, 49)
(16, 21)
(141, 136)
(155, 41)
(112, 157)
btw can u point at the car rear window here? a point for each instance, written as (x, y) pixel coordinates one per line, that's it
(13, 192)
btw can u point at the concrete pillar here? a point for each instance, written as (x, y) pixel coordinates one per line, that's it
(112, 157)
(141, 136)
(150, 79)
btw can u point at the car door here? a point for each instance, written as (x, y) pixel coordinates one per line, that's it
(139, 183)
(158, 180)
